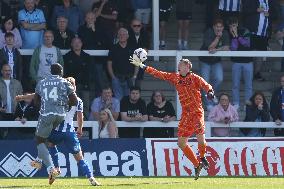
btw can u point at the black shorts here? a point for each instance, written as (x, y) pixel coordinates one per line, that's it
(164, 15)
(259, 43)
(184, 15)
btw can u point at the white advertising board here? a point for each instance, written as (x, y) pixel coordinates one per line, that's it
(227, 157)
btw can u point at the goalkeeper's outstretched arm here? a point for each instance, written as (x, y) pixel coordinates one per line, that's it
(156, 73)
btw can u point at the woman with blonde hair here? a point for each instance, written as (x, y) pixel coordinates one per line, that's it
(107, 125)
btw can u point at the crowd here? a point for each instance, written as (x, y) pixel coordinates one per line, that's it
(121, 26)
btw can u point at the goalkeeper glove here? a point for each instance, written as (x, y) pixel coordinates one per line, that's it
(136, 61)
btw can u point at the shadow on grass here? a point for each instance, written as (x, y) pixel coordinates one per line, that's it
(146, 183)
(19, 187)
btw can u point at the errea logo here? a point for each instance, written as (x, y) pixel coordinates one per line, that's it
(14, 166)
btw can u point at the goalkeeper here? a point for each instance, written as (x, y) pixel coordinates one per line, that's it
(188, 86)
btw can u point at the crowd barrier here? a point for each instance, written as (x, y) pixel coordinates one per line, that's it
(209, 125)
(152, 157)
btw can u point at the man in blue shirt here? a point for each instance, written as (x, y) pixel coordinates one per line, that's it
(32, 24)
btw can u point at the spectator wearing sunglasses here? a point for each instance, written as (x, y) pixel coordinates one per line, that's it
(138, 38)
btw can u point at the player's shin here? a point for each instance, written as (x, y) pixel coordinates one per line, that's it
(54, 155)
(202, 152)
(85, 168)
(202, 149)
(188, 152)
(43, 154)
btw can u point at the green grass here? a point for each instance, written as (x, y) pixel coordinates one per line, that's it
(149, 183)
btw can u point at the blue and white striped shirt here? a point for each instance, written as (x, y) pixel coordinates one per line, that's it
(68, 124)
(263, 20)
(230, 5)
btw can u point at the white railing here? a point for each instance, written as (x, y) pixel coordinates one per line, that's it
(180, 54)
(209, 125)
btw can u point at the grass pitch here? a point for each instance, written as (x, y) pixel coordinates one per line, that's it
(148, 183)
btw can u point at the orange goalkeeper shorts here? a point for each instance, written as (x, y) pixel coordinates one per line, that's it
(191, 123)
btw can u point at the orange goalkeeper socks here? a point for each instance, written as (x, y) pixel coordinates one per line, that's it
(202, 150)
(190, 155)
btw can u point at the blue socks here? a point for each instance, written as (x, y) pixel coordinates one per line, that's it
(85, 168)
(54, 155)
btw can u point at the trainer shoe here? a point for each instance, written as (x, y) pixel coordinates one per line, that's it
(36, 164)
(162, 47)
(205, 163)
(53, 173)
(198, 170)
(94, 182)
(58, 170)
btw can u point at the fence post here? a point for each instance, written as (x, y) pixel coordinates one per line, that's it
(178, 58)
(208, 129)
(156, 25)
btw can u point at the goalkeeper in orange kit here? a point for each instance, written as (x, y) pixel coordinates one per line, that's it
(188, 86)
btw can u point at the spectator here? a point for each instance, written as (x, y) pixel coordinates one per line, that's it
(9, 89)
(164, 15)
(9, 26)
(62, 35)
(215, 39)
(138, 38)
(228, 9)
(32, 24)
(280, 37)
(43, 57)
(47, 7)
(121, 72)
(211, 11)
(184, 15)
(106, 100)
(281, 4)
(25, 111)
(11, 55)
(258, 16)
(132, 108)
(142, 11)
(224, 113)
(125, 12)
(10, 8)
(107, 125)
(257, 111)
(70, 11)
(277, 108)
(106, 14)
(93, 37)
(79, 65)
(85, 5)
(160, 109)
(240, 41)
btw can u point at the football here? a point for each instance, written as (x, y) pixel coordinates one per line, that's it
(141, 54)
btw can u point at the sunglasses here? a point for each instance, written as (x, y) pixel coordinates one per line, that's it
(136, 26)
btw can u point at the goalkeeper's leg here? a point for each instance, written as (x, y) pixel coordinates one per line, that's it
(202, 149)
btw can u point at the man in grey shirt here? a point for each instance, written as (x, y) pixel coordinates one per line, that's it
(55, 94)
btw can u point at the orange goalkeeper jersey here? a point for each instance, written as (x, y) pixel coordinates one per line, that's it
(188, 87)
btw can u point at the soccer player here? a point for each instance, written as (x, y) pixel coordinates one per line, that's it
(53, 93)
(188, 86)
(65, 132)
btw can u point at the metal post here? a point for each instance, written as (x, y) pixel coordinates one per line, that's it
(208, 129)
(156, 26)
(178, 58)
